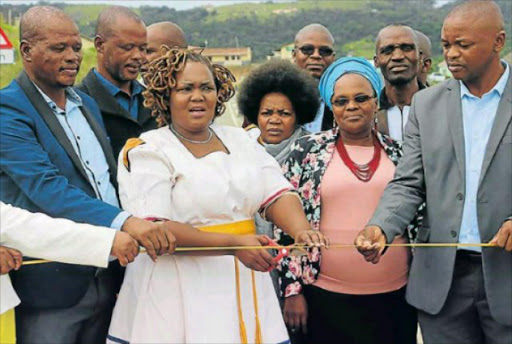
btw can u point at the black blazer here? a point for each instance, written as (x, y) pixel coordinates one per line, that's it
(118, 122)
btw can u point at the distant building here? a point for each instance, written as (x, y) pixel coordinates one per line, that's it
(229, 56)
(285, 10)
(283, 53)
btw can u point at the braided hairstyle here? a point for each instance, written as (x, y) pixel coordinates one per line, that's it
(160, 79)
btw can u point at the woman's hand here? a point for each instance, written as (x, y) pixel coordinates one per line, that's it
(259, 260)
(9, 259)
(295, 313)
(311, 238)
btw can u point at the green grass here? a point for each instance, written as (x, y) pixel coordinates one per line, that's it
(82, 15)
(266, 10)
(364, 47)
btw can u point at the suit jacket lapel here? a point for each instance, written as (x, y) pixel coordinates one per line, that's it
(454, 110)
(51, 120)
(503, 116)
(105, 145)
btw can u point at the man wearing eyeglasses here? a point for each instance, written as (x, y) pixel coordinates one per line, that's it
(314, 52)
(398, 57)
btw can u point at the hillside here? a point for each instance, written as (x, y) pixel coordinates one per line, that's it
(267, 10)
(267, 26)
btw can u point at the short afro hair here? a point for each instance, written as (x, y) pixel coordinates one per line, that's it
(279, 76)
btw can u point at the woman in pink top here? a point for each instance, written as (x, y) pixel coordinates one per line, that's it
(340, 175)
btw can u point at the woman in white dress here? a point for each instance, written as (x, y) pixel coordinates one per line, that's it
(214, 178)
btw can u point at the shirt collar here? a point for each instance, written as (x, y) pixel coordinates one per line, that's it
(384, 102)
(71, 96)
(114, 90)
(499, 87)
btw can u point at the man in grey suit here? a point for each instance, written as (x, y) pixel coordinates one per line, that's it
(458, 158)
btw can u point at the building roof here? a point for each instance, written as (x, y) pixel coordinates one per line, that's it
(226, 51)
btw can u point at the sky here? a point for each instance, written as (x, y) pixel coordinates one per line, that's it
(177, 4)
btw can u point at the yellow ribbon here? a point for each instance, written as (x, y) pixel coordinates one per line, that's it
(248, 227)
(293, 247)
(235, 228)
(241, 324)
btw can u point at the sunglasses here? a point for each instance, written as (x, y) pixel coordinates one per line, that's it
(360, 100)
(309, 49)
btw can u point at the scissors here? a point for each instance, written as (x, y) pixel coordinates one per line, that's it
(282, 252)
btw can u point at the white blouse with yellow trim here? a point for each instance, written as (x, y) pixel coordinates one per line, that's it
(193, 299)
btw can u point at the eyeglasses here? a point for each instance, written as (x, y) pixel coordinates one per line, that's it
(360, 100)
(405, 47)
(309, 49)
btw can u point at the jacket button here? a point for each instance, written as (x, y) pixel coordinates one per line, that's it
(460, 196)
(453, 233)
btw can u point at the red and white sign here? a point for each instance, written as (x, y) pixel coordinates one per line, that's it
(4, 41)
(6, 48)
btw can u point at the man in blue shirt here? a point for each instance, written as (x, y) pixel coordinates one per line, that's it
(458, 158)
(121, 44)
(56, 159)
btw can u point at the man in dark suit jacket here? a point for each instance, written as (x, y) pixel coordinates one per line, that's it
(457, 157)
(56, 159)
(121, 44)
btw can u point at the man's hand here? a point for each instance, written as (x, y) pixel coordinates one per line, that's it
(259, 260)
(9, 259)
(370, 242)
(154, 237)
(124, 248)
(295, 313)
(503, 238)
(311, 238)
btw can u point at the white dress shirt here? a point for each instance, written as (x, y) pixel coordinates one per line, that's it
(397, 119)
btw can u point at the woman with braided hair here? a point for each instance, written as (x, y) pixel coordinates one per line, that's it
(214, 178)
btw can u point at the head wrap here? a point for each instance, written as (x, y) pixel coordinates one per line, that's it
(344, 66)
